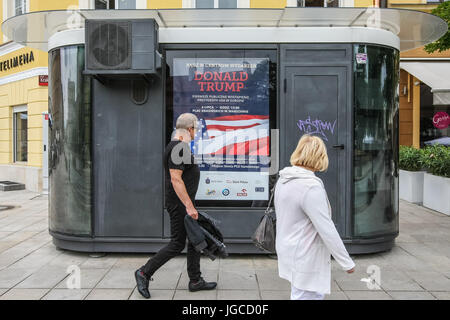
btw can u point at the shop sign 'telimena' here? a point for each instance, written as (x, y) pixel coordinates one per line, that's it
(17, 61)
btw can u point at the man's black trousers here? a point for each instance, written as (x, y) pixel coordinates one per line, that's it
(177, 243)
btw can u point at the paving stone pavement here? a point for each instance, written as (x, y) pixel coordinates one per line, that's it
(31, 267)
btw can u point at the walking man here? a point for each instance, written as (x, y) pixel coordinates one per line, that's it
(182, 176)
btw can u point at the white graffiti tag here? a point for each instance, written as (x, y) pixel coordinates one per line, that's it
(316, 127)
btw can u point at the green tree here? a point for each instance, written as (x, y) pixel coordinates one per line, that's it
(443, 11)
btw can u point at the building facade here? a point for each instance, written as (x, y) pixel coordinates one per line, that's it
(24, 76)
(424, 87)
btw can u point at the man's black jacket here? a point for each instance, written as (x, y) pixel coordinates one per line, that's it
(205, 236)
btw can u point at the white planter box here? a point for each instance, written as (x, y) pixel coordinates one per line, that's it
(411, 186)
(436, 193)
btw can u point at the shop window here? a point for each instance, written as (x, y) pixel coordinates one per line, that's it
(216, 3)
(434, 123)
(233, 94)
(317, 3)
(20, 132)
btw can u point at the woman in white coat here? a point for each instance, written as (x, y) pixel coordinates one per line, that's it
(306, 235)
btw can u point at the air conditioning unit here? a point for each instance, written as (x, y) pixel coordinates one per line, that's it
(122, 47)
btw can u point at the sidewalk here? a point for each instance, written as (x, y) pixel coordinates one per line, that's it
(418, 267)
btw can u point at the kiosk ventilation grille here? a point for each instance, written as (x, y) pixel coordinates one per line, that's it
(108, 45)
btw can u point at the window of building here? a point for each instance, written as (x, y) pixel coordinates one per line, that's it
(216, 3)
(104, 4)
(126, 4)
(20, 133)
(317, 3)
(433, 124)
(19, 7)
(15, 7)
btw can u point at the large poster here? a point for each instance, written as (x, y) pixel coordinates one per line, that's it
(230, 97)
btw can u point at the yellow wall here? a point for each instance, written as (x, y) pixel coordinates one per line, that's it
(40, 60)
(1, 21)
(23, 92)
(164, 4)
(267, 3)
(391, 2)
(363, 3)
(41, 5)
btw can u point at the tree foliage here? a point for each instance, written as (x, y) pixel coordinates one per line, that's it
(443, 11)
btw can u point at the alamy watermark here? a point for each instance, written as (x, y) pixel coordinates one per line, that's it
(373, 282)
(74, 279)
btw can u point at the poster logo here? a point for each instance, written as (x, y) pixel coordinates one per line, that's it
(210, 192)
(243, 193)
(259, 189)
(441, 120)
(207, 181)
(225, 192)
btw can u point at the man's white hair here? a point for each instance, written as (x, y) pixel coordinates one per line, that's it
(186, 121)
(183, 123)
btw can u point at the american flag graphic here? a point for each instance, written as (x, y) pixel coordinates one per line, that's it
(233, 135)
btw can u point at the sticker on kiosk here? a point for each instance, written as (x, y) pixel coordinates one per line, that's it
(361, 58)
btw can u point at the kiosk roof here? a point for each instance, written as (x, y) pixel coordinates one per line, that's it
(414, 28)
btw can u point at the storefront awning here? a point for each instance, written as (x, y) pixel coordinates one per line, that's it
(433, 74)
(413, 28)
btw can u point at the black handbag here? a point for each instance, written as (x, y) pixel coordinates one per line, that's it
(265, 233)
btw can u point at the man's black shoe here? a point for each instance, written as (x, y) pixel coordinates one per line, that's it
(201, 285)
(142, 283)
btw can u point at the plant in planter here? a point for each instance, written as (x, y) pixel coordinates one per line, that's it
(436, 190)
(411, 174)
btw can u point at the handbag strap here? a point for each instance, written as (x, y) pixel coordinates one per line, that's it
(272, 192)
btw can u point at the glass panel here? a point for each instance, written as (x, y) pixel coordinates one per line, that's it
(70, 160)
(204, 3)
(126, 4)
(227, 3)
(416, 28)
(332, 3)
(314, 3)
(233, 93)
(101, 4)
(19, 7)
(376, 71)
(21, 135)
(434, 123)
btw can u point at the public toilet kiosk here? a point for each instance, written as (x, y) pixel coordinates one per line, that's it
(257, 79)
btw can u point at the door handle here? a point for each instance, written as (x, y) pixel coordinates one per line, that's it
(338, 146)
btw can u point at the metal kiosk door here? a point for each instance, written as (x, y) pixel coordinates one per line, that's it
(315, 101)
(128, 174)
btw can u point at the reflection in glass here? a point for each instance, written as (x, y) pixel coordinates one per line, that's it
(70, 138)
(376, 72)
(21, 134)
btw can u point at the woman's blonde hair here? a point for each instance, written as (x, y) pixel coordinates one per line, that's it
(310, 152)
